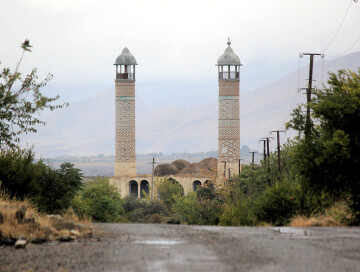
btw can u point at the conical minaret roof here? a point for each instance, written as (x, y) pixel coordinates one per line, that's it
(228, 57)
(125, 58)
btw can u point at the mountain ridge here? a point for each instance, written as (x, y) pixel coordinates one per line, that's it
(87, 127)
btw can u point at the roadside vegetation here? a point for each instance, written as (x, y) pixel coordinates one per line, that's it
(29, 189)
(319, 184)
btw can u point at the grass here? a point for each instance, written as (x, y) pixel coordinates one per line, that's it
(21, 219)
(337, 215)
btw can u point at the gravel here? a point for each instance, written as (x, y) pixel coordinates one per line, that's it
(149, 247)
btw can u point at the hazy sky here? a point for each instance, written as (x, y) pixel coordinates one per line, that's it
(78, 41)
(176, 43)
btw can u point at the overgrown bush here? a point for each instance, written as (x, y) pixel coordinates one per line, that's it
(239, 213)
(49, 189)
(167, 190)
(99, 201)
(144, 211)
(278, 204)
(201, 207)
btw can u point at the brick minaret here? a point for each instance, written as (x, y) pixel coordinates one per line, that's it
(229, 113)
(125, 161)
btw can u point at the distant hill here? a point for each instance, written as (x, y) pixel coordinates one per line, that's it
(87, 127)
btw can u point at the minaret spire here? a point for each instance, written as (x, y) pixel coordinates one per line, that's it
(229, 114)
(125, 161)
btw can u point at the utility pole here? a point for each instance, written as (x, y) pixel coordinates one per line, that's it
(152, 178)
(267, 139)
(240, 165)
(278, 148)
(252, 160)
(263, 140)
(308, 92)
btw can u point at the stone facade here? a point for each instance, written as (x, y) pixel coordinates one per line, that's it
(133, 184)
(125, 177)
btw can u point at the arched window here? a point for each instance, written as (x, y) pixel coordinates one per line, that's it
(133, 188)
(144, 188)
(196, 185)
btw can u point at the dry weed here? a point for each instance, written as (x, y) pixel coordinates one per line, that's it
(21, 219)
(336, 215)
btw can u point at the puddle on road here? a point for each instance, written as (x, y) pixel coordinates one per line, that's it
(292, 231)
(159, 242)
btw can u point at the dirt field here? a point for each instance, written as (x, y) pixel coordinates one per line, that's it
(141, 247)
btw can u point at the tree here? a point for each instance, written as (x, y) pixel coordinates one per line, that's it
(58, 188)
(100, 201)
(167, 190)
(329, 160)
(49, 189)
(20, 100)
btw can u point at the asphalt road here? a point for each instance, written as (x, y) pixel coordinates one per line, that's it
(147, 247)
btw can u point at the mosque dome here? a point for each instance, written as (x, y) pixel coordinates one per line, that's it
(125, 58)
(228, 57)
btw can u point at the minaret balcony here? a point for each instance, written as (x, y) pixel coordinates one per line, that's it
(229, 75)
(130, 76)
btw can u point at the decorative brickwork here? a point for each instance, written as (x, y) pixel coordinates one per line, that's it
(229, 109)
(229, 150)
(124, 89)
(125, 151)
(229, 125)
(125, 161)
(229, 133)
(125, 110)
(229, 87)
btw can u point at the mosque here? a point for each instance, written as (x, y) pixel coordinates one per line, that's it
(125, 177)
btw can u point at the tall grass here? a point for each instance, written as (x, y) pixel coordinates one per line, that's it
(338, 214)
(21, 219)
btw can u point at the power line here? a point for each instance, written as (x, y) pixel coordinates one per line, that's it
(347, 50)
(337, 31)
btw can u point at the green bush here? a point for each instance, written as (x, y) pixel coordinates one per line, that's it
(144, 211)
(206, 192)
(167, 190)
(193, 210)
(278, 204)
(99, 201)
(239, 213)
(49, 189)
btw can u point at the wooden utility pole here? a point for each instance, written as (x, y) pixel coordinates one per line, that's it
(278, 148)
(262, 140)
(152, 178)
(267, 139)
(308, 92)
(252, 159)
(240, 165)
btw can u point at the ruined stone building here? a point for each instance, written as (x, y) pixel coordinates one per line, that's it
(228, 164)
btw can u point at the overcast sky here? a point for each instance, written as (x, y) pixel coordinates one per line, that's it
(78, 41)
(176, 43)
